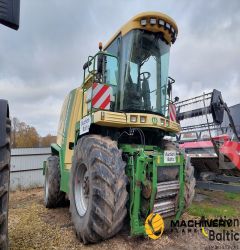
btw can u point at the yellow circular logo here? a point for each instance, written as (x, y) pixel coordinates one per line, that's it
(154, 226)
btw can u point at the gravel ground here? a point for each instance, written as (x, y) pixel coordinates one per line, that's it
(32, 226)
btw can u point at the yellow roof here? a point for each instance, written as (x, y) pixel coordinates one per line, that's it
(164, 24)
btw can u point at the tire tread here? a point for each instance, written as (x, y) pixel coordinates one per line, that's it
(108, 184)
(55, 196)
(4, 185)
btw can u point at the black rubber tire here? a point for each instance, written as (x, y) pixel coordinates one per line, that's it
(4, 185)
(53, 196)
(189, 184)
(107, 200)
(190, 181)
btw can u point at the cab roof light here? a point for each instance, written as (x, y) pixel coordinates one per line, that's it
(168, 26)
(143, 22)
(174, 36)
(161, 22)
(153, 21)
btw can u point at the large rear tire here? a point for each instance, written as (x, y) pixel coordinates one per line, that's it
(5, 134)
(190, 183)
(98, 193)
(53, 196)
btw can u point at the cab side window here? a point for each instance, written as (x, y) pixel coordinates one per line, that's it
(113, 48)
(63, 116)
(111, 63)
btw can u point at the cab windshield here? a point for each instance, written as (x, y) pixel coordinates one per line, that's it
(144, 72)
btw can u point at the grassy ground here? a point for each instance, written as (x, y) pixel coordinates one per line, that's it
(216, 204)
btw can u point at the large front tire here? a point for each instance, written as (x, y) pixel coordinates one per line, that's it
(98, 193)
(5, 134)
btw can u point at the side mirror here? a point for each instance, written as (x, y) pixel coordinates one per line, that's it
(217, 108)
(86, 65)
(100, 59)
(9, 13)
(169, 87)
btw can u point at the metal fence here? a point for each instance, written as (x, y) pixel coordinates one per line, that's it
(26, 167)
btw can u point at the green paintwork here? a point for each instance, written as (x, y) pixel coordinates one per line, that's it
(143, 162)
(64, 184)
(65, 178)
(55, 148)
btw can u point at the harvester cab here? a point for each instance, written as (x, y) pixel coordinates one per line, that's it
(135, 67)
(111, 157)
(213, 148)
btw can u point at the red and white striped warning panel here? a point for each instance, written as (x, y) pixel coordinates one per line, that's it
(172, 112)
(101, 96)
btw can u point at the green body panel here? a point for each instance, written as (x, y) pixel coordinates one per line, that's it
(143, 162)
(65, 177)
(65, 173)
(55, 149)
(64, 183)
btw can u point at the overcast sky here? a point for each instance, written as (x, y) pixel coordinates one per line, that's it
(42, 61)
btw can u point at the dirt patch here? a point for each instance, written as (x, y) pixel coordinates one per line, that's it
(32, 226)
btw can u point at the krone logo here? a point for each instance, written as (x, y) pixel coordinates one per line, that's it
(154, 226)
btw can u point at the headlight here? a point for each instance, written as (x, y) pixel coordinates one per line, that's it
(161, 22)
(168, 26)
(133, 118)
(102, 115)
(142, 119)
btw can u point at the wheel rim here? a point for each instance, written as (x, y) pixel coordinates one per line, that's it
(81, 189)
